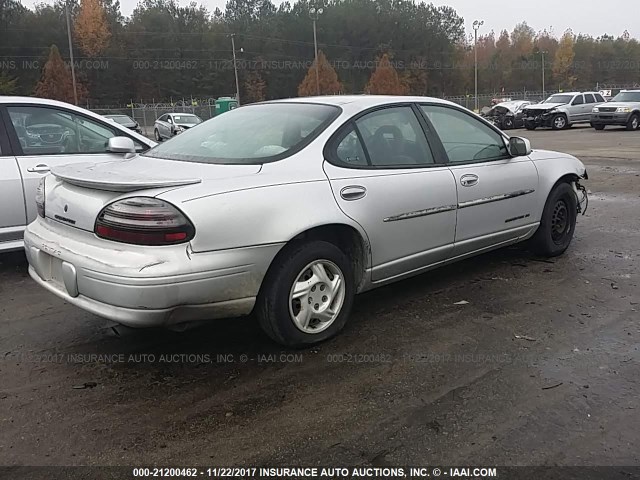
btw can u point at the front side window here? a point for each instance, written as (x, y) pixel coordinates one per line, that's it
(252, 134)
(579, 100)
(464, 137)
(49, 131)
(393, 137)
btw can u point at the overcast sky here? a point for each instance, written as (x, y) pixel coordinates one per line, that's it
(583, 16)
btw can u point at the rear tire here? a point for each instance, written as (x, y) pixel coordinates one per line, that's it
(558, 222)
(598, 127)
(634, 122)
(299, 290)
(529, 126)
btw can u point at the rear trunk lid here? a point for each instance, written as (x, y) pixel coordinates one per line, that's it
(75, 194)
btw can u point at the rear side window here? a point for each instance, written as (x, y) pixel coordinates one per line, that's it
(393, 137)
(589, 98)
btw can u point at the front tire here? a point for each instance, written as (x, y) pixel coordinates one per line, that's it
(558, 222)
(559, 122)
(307, 295)
(598, 127)
(156, 134)
(634, 122)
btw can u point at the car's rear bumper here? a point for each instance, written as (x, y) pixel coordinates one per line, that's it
(143, 286)
(610, 118)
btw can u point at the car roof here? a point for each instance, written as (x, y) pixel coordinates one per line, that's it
(362, 101)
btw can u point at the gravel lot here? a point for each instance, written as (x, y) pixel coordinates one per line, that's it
(414, 379)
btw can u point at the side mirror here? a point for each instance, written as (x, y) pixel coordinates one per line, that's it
(519, 147)
(121, 145)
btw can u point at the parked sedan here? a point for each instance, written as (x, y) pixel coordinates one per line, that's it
(37, 134)
(327, 197)
(171, 124)
(125, 121)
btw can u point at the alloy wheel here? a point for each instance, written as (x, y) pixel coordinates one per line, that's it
(317, 296)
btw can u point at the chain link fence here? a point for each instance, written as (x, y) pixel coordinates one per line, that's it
(147, 113)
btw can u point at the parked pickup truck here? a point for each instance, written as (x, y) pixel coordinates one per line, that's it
(562, 110)
(37, 134)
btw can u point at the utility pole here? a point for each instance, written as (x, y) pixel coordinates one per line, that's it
(235, 67)
(314, 14)
(73, 67)
(476, 26)
(543, 53)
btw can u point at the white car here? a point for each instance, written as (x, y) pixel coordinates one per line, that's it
(37, 134)
(290, 208)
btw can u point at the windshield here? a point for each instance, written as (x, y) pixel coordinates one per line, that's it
(122, 119)
(627, 97)
(559, 99)
(252, 134)
(187, 119)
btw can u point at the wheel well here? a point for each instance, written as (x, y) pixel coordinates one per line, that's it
(346, 238)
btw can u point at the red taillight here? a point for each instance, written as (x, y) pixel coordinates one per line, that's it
(143, 221)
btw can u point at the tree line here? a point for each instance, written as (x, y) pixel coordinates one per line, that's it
(166, 51)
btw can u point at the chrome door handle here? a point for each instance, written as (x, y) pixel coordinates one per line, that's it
(40, 168)
(353, 192)
(469, 180)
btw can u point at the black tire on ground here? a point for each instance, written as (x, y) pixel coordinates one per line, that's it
(529, 126)
(273, 303)
(157, 136)
(634, 122)
(507, 123)
(598, 127)
(559, 122)
(558, 222)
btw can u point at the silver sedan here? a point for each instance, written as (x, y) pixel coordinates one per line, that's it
(289, 208)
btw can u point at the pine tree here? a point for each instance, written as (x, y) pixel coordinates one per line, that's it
(56, 82)
(91, 28)
(385, 79)
(255, 88)
(328, 79)
(8, 85)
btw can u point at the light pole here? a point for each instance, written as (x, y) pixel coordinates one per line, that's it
(235, 67)
(476, 26)
(543, 53)
(73, 68)
(314, 14)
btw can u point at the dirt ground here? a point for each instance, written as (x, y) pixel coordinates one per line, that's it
(413, 380)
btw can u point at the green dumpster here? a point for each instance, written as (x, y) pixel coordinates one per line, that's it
(224, 104)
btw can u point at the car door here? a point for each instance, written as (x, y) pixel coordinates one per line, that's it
(44, 136)
(494, 190)
(12, 206)
(385, 176)
(577, 109)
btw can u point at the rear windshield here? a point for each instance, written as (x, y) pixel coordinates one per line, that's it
(252, 134)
